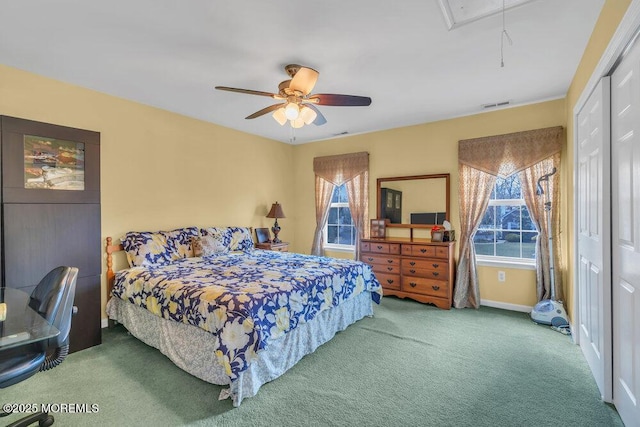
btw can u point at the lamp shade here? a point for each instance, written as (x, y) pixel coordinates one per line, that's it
(280, 116)
(276, 211)
(292, 111)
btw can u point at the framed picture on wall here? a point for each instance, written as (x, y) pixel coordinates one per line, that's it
(53, 164)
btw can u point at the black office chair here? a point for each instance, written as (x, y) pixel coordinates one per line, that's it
(53, 300)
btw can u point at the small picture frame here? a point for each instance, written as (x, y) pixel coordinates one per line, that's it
(436, 236)
(377, 229)
(262, 235)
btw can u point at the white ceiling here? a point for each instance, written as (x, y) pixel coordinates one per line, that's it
(170, 54)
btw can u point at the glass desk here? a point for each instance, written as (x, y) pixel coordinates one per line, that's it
(21, 325)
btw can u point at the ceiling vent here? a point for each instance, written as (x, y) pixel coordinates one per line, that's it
(460, 12)
(495, 105)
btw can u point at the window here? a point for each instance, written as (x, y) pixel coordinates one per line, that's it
(506, 232)
(339, 232)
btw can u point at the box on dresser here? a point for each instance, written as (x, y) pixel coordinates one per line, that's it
(413, 268)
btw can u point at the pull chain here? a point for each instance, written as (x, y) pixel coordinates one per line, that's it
(503, 34)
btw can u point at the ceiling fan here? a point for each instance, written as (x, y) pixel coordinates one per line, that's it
(298, 105)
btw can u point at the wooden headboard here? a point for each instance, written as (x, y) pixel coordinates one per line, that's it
(111, 248)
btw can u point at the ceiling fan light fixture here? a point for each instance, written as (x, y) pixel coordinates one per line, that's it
(297, 123)
(292, 111)
(308, 115)
(280, 116)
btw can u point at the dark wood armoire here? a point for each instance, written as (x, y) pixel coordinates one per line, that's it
(51, 213)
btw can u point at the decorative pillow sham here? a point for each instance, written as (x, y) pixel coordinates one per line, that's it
(232, 238)
(208, 245)
(196, 244)
(158, 247)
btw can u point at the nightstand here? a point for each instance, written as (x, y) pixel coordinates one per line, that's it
(269, 246)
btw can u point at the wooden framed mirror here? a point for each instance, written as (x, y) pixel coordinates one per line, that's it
(418, 201)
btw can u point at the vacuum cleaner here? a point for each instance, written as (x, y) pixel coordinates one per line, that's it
(550, 311)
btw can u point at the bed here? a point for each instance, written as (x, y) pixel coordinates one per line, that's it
(233, 315)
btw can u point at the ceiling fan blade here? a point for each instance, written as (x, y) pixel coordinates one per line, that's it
(264, 111)
(319, 120)
(249, 91)
(304, 80)
(340, 100)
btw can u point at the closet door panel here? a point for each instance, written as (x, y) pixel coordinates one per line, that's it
(39, 237)
(86, 325)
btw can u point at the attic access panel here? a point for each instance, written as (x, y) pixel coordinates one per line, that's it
(460, 12)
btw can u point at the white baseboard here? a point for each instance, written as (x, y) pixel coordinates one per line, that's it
(506, 306)
(104, 323)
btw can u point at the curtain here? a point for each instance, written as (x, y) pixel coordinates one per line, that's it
(501, 155)
(474, 190)
(535, 203)
(324, 190)
(357, 192)
(330, 171)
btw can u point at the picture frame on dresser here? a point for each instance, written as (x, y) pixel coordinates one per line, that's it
(437, 236)
(262, 235)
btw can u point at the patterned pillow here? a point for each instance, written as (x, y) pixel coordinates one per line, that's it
(212, 246)
(232, 238)
(241, 239)
(158, 247)
(196, 244)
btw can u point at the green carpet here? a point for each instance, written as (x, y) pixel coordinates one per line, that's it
(410, 365)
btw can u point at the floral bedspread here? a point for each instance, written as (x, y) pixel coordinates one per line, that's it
(245, 299)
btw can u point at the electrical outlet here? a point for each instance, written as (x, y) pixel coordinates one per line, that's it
(501, 276)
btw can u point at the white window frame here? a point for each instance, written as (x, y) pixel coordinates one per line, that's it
(325, 230)
(503, 261)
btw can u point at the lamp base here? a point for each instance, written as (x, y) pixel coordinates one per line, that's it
(276, 229)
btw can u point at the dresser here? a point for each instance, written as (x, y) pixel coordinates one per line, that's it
(413, 268)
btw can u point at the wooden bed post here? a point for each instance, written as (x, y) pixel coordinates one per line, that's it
(111, 248)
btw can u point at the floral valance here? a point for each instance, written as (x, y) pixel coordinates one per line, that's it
(341, 168)
(504, 155)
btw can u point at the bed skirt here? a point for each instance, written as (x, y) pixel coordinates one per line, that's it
(192, 349)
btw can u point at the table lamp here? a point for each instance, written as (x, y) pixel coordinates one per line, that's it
(276, 212)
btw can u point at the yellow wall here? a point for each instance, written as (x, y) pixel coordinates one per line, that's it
(608, 21)
(424, 149)
(519, 287)
(159, 169)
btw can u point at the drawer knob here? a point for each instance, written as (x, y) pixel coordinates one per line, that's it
(413, 285)
(435, 265)
(370, 259)
(412, 263)
(389, 261)
(389, 281)
(379, 247)
(412, 271)
(435, 287)
(423, 250)
(435, 273)
(390, 268)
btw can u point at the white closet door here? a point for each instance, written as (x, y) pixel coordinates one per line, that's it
(625, 136)
(594, 234)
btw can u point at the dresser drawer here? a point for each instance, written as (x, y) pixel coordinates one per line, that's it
(442, 252)
(380, 259)
(385, 248)
(386, 269)
(389, 281)
(425, 268)
(419, 250)
(421, 285)
(423, 272)
(365, 247)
